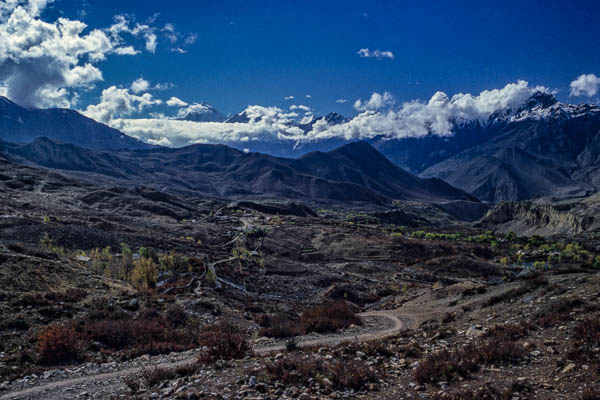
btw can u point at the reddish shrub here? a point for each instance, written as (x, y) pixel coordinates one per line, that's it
(176, 315)
(302, 369)
(58, 344)
(350, 374)
(222, 341)
(294, 369)
(450, 365)
(281, 327)
(511, 332)
(329, 318)
(590, 394)
(443, 366)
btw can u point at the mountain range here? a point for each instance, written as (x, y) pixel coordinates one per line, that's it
(354, 173)
(541, 149)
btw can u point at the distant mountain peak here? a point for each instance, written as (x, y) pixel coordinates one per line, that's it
(200, 112)
(539, 100)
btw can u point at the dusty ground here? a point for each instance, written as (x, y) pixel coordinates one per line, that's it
(420, 288)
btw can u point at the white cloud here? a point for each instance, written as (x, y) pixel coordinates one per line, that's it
(41, 62)
(299, 107)
(341, 101)
(176, 102)
(170, 32)
(126, 51)
(45, 63)
(190, 39)
(585, 85)
(122, 26)
(412, 119)
(163, 86)
(173, 36)
(376, 102)
(140, 85)
(377, 54)
(119, 102)
(289, 98)
(308, 96)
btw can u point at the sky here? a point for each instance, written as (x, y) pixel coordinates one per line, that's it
(354, 57)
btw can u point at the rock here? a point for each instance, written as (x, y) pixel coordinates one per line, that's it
(327, 382)
(476, 331)
(252, 381)
(261, 387)
(133, 304)
(570, 367)
(304, 396)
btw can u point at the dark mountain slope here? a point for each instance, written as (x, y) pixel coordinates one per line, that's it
(352, 173)
(21, 125)
(545, 149)
(360, 163)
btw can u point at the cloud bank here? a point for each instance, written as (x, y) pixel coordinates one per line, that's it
(379, 116)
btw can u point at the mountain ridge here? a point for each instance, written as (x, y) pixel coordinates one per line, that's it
(22, 125)
(221, 171)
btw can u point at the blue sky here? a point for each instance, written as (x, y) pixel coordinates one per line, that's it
(397, 68)
(251, 52)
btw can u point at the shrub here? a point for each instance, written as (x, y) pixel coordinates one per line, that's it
(58, 344)
(149, 334)
(329, 318)
(132, 382)
(451, 365)
(587, 332)
(443, 366)
(156, 375)
(548, 320)
(144, 273)
(176, 315)
(303, 369)
(484, 392)
(291, 344)
(349, 374)
(494, 351)
(294, 369)
(281, 326)
(222, 341)
(511, 332)
(590, 394)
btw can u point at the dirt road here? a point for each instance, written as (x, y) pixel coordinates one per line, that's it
(98, 385)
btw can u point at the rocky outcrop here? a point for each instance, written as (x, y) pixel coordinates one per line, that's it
(528, 218)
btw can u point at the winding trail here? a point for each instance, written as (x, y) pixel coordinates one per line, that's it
(111, 381)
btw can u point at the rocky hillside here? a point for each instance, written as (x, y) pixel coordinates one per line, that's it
(530, 218)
